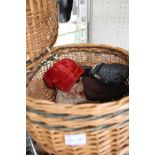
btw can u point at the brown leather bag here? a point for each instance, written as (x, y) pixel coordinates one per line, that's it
(95, 90)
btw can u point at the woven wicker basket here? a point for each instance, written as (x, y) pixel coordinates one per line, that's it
(105, 125)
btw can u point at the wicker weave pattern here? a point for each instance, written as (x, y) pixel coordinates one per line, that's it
(105, 125)
(100, 142)
(84, 54)
(41, 28)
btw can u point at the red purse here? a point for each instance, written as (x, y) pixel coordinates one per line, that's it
(63, 74)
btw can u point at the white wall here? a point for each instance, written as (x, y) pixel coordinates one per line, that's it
(109, 20)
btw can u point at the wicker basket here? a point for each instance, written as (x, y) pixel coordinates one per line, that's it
(105, 125)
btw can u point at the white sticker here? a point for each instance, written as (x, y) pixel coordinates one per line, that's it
(74, 140)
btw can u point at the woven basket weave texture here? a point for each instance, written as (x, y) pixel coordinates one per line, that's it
(105, 125)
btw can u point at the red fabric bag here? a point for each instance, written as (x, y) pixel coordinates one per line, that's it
(63, 74)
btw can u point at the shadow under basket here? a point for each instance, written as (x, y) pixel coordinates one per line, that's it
(105, 125)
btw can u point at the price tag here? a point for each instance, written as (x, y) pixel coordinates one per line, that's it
(74, 140)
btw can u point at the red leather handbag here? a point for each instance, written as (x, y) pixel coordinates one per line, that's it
(63, 74)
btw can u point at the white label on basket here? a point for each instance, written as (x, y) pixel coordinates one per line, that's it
(74, 140)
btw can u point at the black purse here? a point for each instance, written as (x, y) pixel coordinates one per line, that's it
(111, 73)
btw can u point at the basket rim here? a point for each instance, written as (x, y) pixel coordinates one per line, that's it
(89, 105)
(53, 50)
(122, 50)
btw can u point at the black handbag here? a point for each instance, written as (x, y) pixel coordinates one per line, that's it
(111, 73)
